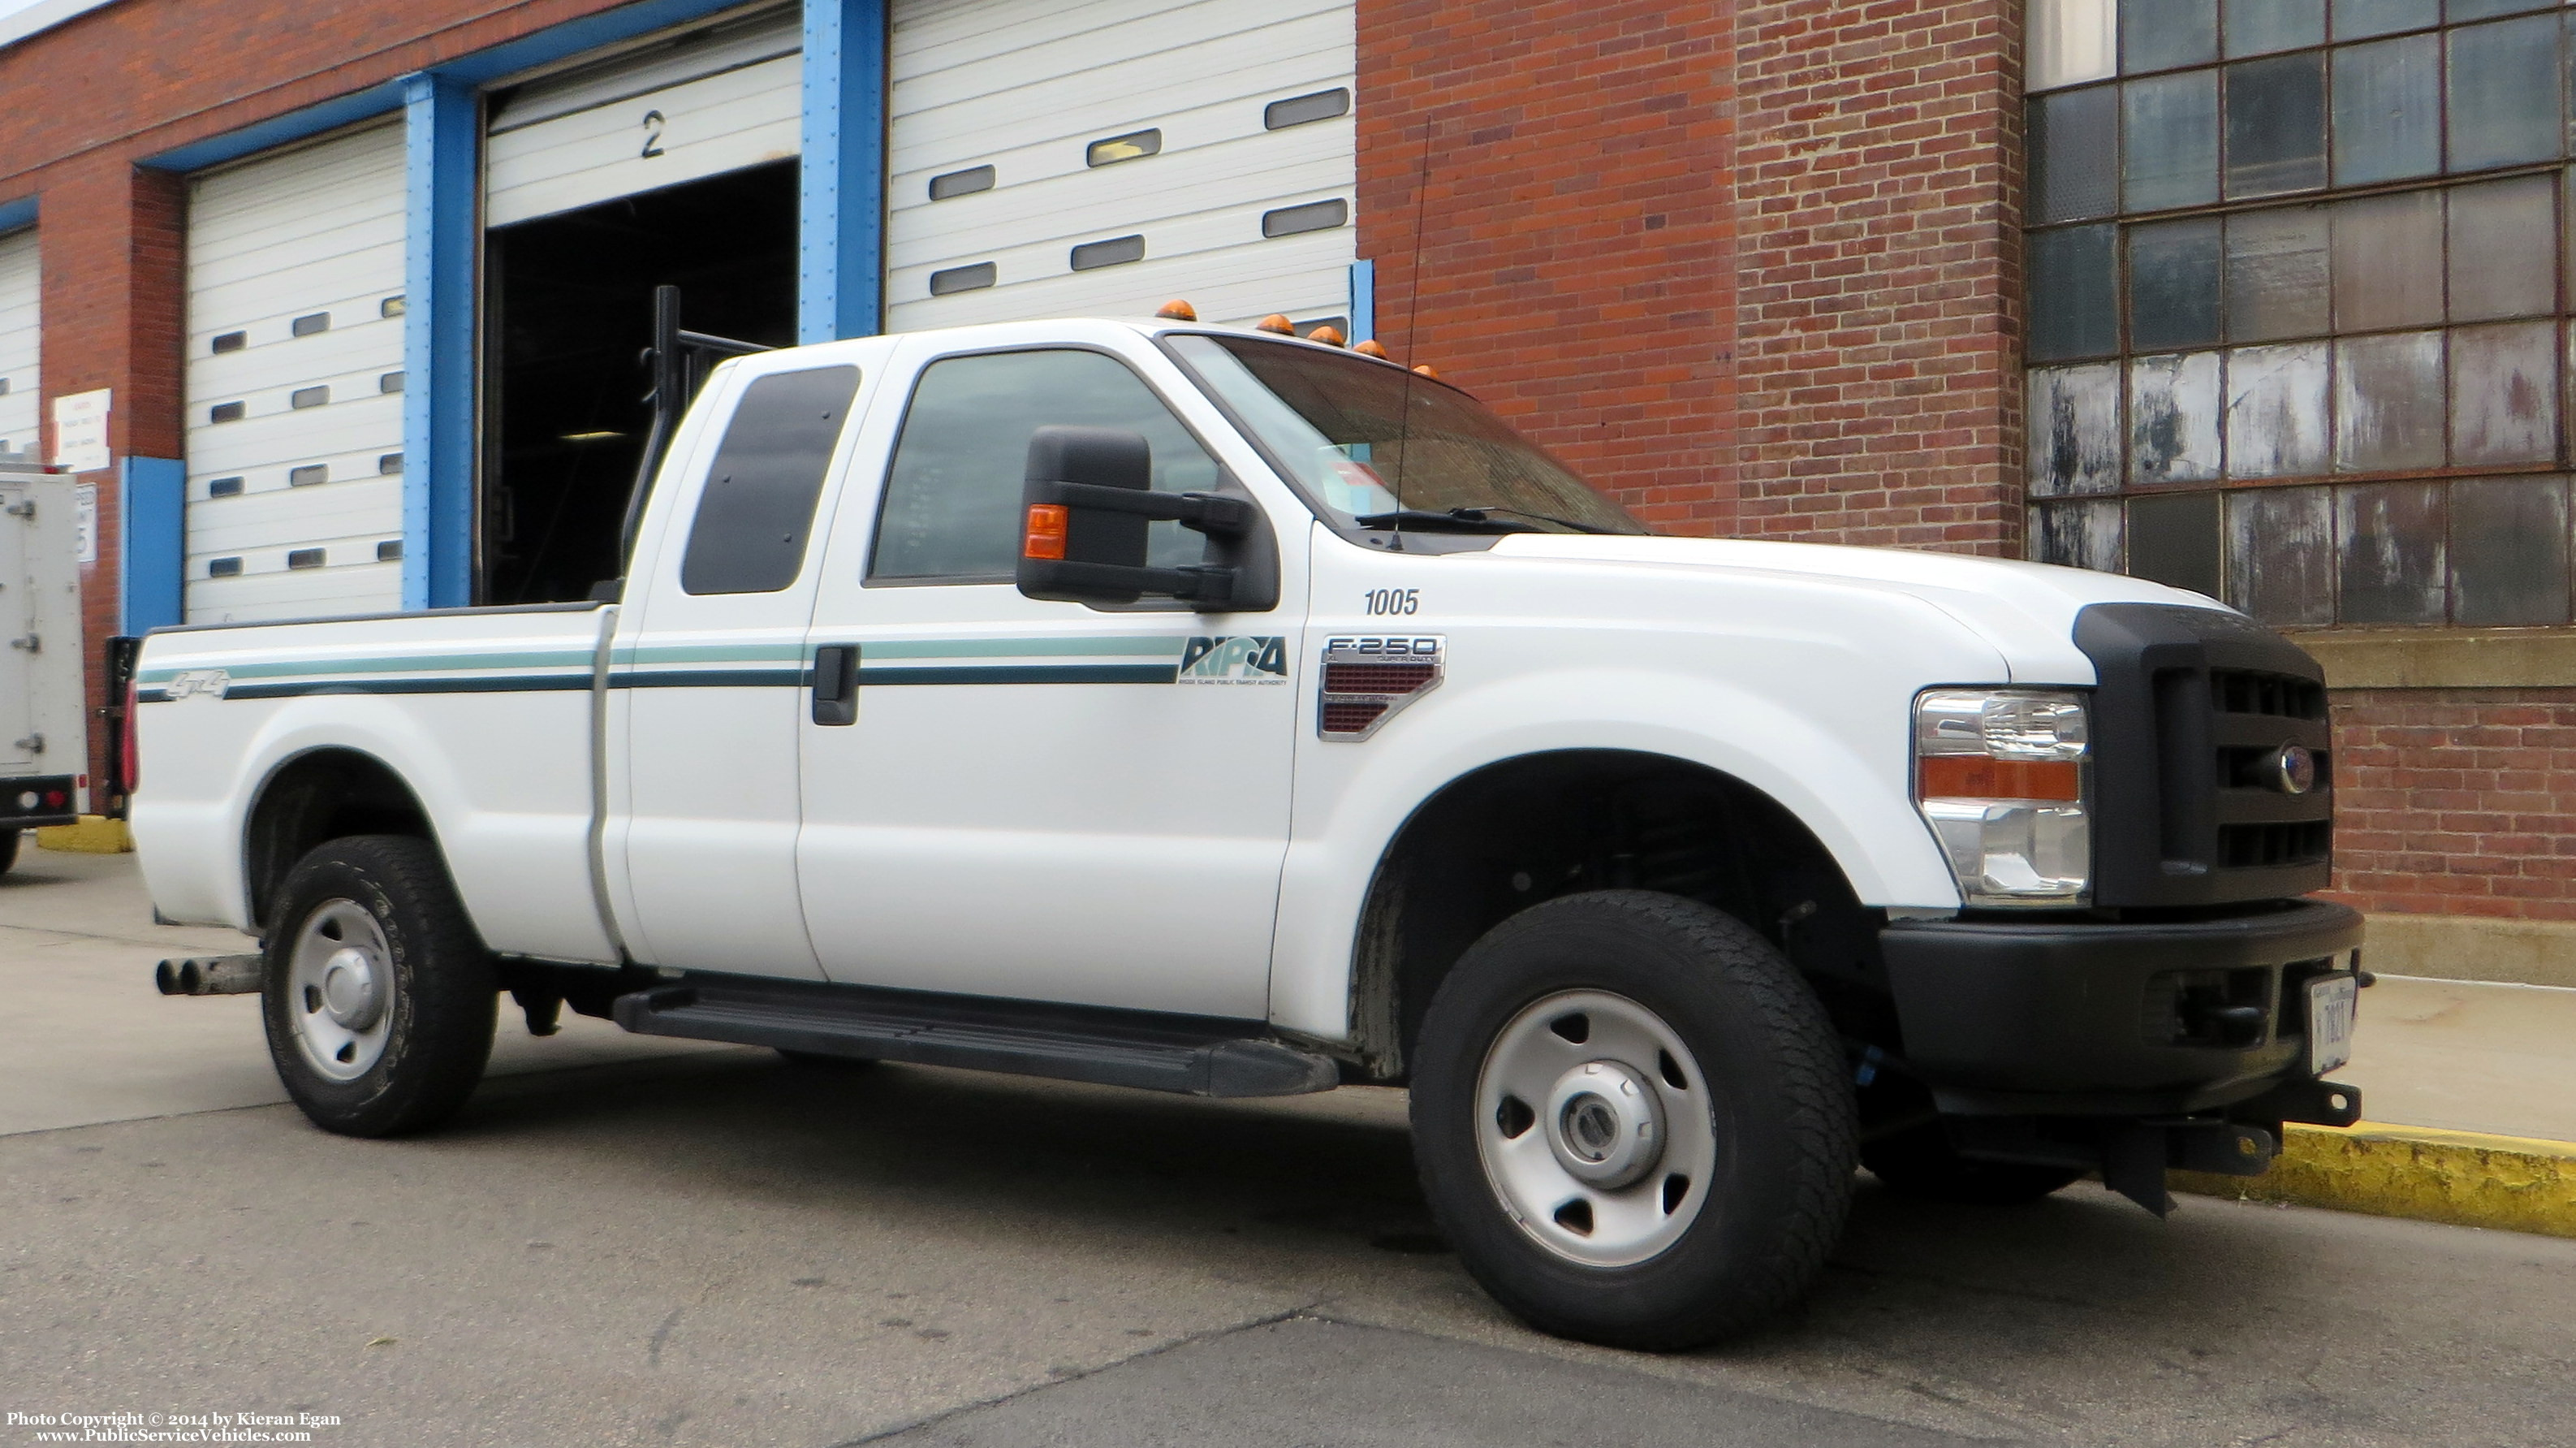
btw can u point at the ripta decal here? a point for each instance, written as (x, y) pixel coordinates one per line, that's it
(1239, 659)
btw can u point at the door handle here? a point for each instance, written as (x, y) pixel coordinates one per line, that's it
(836, 684)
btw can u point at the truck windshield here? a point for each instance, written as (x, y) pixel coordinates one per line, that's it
(1374, 446)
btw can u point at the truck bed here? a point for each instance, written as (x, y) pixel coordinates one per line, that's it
(487, 712)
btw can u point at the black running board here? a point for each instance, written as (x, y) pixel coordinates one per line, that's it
(1190, 1055)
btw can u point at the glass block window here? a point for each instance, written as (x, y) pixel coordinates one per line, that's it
(2299, 292)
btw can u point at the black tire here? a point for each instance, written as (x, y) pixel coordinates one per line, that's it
(443, 1000)
(1921, 1163)
(1779, 1096)
(8, 850)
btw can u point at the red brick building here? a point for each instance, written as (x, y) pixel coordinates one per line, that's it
(2036, 278)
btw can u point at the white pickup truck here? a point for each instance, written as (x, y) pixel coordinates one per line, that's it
(1202, 710)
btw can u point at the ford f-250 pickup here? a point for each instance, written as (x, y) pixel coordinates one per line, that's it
(1204, 710)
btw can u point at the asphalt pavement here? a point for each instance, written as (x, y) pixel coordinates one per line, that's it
(623, 1243)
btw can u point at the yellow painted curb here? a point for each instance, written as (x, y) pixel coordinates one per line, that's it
(2467, 1178)
(94, 835)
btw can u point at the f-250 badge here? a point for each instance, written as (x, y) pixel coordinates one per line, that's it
(1237, 659)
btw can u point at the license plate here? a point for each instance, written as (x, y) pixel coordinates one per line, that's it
(2330, 1012)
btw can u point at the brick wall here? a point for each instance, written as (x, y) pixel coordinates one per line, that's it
(2456, 801)
(1560, 171)
(141, 77)
(1877, 204)
(1752, 267)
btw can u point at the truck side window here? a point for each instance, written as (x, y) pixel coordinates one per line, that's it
(952, 496)
(758, 507)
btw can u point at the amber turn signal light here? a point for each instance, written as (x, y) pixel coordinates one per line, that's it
(1427, 370)
(1973, 776)
(1329, 336)
(1276, 323)
(1177, 310)
(1369, 348)
(1044, 537)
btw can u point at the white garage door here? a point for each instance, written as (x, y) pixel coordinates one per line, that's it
(713, 101)
(1100, 159)
(295, 354)
(18, 342)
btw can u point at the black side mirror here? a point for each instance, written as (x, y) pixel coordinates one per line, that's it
(1086, 502)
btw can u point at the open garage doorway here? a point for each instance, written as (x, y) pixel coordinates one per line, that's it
(569, 312)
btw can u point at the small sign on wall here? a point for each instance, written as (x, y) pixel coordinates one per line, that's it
(80, 430)
(85, 522)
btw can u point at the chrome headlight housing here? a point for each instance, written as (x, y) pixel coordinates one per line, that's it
(2001, 776)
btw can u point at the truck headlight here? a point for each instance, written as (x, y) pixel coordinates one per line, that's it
(1999, 776)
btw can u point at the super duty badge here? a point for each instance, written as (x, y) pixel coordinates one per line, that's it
(1367, 678)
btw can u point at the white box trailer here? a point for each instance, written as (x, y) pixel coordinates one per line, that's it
(44, 739)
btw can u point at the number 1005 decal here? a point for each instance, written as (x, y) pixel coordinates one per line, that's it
(1393, 600)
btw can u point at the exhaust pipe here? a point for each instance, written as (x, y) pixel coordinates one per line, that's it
(209, 975)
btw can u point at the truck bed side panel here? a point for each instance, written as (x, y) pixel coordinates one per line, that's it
(486, 716)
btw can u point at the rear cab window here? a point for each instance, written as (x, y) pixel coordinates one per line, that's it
(756, 514)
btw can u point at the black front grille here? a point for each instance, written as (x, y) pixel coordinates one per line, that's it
(2279, 696)
(2193, 711)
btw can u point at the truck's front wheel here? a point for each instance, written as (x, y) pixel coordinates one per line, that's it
(1633, 1120)
(379, 998)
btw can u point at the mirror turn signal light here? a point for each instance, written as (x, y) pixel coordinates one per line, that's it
(1177, 310)
(1971, 776)
(1044, 537)
(1276, 323)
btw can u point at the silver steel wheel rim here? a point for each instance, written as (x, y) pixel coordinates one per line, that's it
(339, 990)
(1554, 1113)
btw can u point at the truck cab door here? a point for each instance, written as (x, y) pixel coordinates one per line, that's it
(1033, 799)
(706, 676)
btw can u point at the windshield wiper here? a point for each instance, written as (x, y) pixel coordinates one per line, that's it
(1542, 517)
(1456, 520)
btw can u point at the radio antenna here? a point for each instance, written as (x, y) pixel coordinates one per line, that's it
(1412, 311)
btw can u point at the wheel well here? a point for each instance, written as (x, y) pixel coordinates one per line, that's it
(317, 797)
(1503, 838)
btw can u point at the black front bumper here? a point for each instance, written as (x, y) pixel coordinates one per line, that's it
(2091, 1018)
(30, 800)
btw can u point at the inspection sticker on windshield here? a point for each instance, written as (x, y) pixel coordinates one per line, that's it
(2330, 1011)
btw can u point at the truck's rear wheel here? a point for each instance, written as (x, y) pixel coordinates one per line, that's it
(1633, 1120)
(1921, 1163)
(379, 999)
(8, 850)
